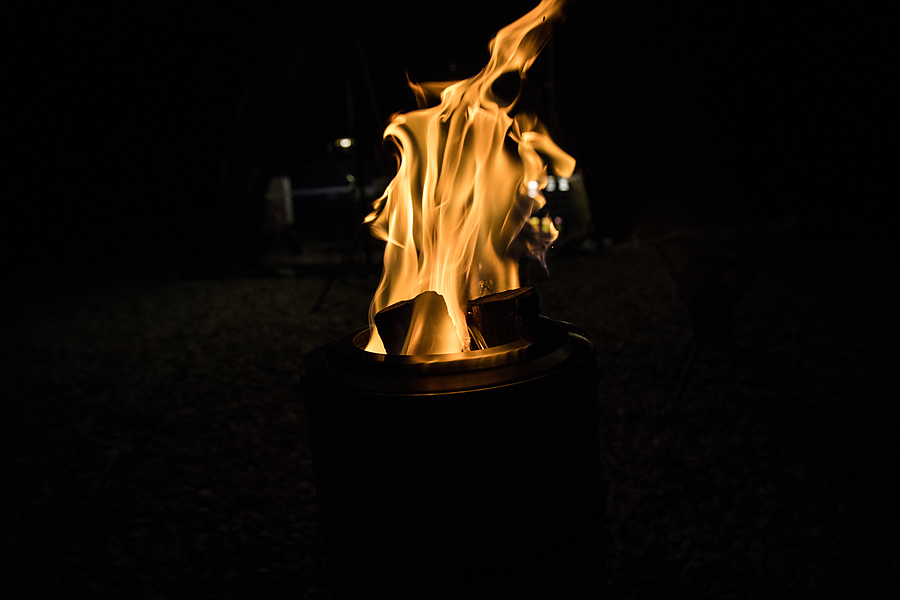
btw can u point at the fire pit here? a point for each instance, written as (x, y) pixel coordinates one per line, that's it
(446, 473)
(455, 441)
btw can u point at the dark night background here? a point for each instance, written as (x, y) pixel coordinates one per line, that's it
(152, 133)
(154, 444)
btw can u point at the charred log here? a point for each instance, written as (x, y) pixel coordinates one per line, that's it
(505, 317)
(429, 311)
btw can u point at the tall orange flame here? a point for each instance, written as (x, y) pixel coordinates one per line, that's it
(469, 178)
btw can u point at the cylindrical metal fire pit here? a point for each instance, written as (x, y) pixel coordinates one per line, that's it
(465, 475)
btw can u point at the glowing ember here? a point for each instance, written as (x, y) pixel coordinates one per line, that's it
(458, 215)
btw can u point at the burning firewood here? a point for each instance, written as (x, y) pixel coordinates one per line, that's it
(505, 317)
(433, 332)
(493, 320)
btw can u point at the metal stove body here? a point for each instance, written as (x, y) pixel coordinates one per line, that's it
(445, 474)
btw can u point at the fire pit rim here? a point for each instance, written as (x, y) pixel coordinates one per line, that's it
(344, 364)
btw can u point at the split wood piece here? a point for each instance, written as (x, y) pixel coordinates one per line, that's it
(504, 317)
(433, 334)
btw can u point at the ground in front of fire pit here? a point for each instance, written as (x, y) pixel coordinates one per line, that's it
(155, 446)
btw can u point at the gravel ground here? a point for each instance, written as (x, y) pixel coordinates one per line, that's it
(155, 440)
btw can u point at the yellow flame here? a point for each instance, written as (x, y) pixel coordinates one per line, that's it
(468, 180)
